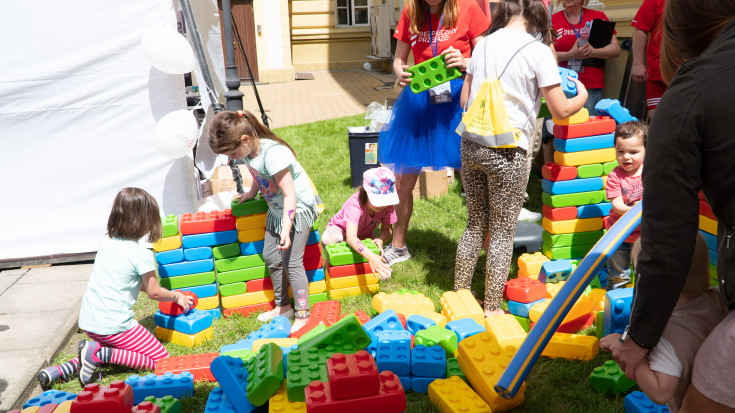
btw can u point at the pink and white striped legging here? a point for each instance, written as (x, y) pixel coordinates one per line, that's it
(136, 348)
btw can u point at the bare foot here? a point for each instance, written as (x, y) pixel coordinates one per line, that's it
(298, 323)
(489, 313)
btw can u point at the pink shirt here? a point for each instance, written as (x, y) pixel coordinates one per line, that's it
(630, 188)
(355, 213)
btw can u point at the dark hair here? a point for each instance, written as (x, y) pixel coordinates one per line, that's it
(689, 27)
(363, 197)
(630, 129)
(416, 12)
(534, 11)
(134, 214)
(228, 127)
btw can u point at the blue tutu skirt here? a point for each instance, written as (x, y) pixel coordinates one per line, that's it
(420, 134)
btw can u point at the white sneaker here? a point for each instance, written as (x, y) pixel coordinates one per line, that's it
(527, 215)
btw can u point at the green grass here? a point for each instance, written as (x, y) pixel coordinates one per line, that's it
(436, 225)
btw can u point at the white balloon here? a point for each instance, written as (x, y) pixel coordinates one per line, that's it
(167, 50)
(367, 66)
(176, 133)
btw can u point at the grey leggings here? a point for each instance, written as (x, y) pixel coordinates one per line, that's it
(287, 267)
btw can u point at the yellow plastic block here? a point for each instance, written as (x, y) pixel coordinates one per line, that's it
(483, 362)
(280, 342)
(453, 395)
(439, 319)
(406, 304)
(582, 307)
(316, 287)
(351, 281)
(604, 181)
(64, 407)
(208, 303)
(572, 347)
(506, 330)
(167, 243)
(255, 221)
(597, 296)
(708, 225)
(190, 340)
(255, 297)
(345, 292)
(251, 235)
(582, 116)
(572, 225)
(531, 264)
(279, 402)
(461, 304)
(30, 409)
(585, 157)
(552, 289)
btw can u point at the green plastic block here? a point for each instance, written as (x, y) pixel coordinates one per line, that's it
(599, 323)
(595, 283)
(315, 227)
(170, 225)
(265, 374)
(453, 369)
(565, 253)
(345, 336)
(315, 298)
(254, 205)
(239, 263)
(589, 171)
(304, 366)
(570, 239)
(226, 290)
(440, 336)
(430, 73)
(542, 113)
(608, 167)
(167, 404)
(226, 251)
(247, 274)
(189, 280)
(243, 354)
(713, 278)
(524, 322)
(342, 254)
(575, 199)
(312, 333)
(609, 378)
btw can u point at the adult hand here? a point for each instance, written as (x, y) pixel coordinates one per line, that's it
(285, 242)
(453, 58)
(608, 341)
(404, 78)
(380, 266)
(629, 355)
(586, 50)
(638, 73)
(578, 53)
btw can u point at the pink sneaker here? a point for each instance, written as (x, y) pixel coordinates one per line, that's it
(88, 361)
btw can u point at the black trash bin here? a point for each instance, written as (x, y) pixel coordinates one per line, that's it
(363, 152)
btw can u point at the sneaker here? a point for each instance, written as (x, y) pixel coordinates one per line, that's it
(88, 361)
(270, 315)
(394, 254)
(527, 215)
(47, 377)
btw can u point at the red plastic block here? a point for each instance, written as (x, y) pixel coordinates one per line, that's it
(559, 214)
(261, 284)
(313, 250)
(47, 408)
(115, 398)
(402, 318)
(146, 407)
(704, 209)
(555, 172)
(390, 398)
(247, 310)
(348, 270)
(202, 222)
(313, 263)
(576, 325)
(313, 322)
(328, 311)
(525, 290)
(353, 375)
(172, 308)
(362, 316)
(196, 364)
(597, 125)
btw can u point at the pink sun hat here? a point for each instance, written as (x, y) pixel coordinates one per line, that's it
(380, 185)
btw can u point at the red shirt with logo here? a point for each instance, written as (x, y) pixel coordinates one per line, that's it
(619, 183)
(648, 19)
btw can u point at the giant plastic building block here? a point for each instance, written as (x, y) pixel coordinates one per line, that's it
(638, 402)
(146, 407)
(522, 309)
(196, 364)
(169, 384)
(185, 267)
(531, 263)
(115, 398)
(190, 280)
(571, 186)
(217, 402)
(240, 262)
(279, 402)
(555, 271)
(580, 308)
(165, 404)
(313, 250)
(328, 311)
(581, 198)
(251, 298)
(559, 214)
(168, 243)
(226, 290)
(353, 375)
(406, 304)
(189, 340)
(580, 117)
(352, 281)
(438, 319)
(387, 320)
(555, 172)
(265, 374)
(337, 293)
(349, 269)
(595, 210)
(248, 309)
(232, 375)
(430, 73)
(598, 125)
(418, 322)
(190, 323)
(252, 221)
(246, 274)
(394, 352)
(170, 256)
(589, 170)
(572, 225)
(279, 327)
(609, 378)
(587, 143)
(525, 290)
(437, 336)
(304, 367)
(49, 396)
(344, 336)
(421, 384)
(453, 395)
(453, 370)
(315, 275)
(202, 222)
(255, 205)
(567, 85)
(565, 253)
(428, 361)
(250, 248)
(578, 324)
(342, 254)
(617, 310)
(505, 330)
(313, 263)
(209, 239)
(209, 303)
(48, 408)
(198, 253)
(228, 251)
(708, 225)
(585, 157)
(251, 235)
(573, 238)
(389, 399)
(572, 347)
(170, 225)
(613, 109)
(461, 304)
(465, 327)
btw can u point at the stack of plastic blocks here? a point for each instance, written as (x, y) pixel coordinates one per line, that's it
(522, 293)
(348, 272)
(159, 386)
(187, 329)
(708, 230)
(53, 398)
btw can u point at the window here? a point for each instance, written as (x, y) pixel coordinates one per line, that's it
(352, 12)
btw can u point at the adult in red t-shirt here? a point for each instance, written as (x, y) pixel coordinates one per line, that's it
(647, 41)
(421, 132)
(569, 25)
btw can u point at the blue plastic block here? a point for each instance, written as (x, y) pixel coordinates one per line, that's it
(428, 361)
(198, 253)
(587, 143)
(170, 256)
(464, 327)
(554, 271)
(215, 313)
(167, 384)
(217, 402)
(202, 291)
(185, 267)
(638, 402)
(315, 275)
(613, 109)
(569, 87)
(190, 323)
(417, 322)
(709, 239)
(617, 310)
(387, 320)
(405, 382)
(394, 352)
(50, 396)
(279, 327)
(232, 375)
(313, 238)
(209, 239)
(713, 257)
(421, 384)
(572, 186)
(252, 248)
(522, 309)
(594, 210)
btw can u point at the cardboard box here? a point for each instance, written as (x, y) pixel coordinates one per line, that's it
(222, 181)
(431, 184)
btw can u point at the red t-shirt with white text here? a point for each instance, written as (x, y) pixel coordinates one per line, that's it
(648, 19)
(619, 183)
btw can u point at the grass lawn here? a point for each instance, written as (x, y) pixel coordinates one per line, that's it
(436, 226)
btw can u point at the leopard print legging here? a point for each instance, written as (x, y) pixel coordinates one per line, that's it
(495, 182)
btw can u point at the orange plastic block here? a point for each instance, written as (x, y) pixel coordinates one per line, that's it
(597, 125)
(253, 221)
(531, 263)
(461, 304)
(64, 407)
(329, 312)
(582, 307)
(505, 330)
(525, 290)
(572, 347)
(202, 222)
(196, 364)
(555, 172)
(559, 214)
(582, 116)
(597, 296)
(552, 289)
(251, 235)
(408, 304)
(363, 317)
(708, 225)
(453, 395)
(248, 310)
(167, 243)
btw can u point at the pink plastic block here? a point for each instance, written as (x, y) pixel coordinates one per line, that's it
(115, 398)
(353, 375)
(47, 408)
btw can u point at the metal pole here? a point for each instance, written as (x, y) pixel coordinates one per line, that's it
(233, 96)
(200, 55)
(252, 79)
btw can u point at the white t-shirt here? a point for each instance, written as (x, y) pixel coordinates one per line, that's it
(533, 67)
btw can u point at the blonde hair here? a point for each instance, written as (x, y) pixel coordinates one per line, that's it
(416, 12)
(228, 127)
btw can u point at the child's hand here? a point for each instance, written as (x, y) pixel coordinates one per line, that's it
(403, 77)
(242, 197)
(185, 301)
(581, 89)
(379, 243)
(380, 266)
(607, 342)
(285, 242)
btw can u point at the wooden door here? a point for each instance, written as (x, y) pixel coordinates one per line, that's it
(242, 13)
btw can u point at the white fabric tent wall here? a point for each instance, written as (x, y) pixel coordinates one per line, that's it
(78, 106)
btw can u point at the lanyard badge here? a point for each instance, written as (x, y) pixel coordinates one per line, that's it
(441, 93)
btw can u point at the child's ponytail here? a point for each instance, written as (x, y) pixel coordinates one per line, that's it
(228, 127)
